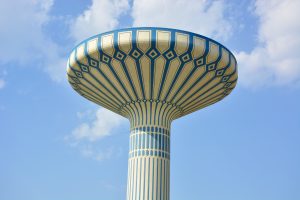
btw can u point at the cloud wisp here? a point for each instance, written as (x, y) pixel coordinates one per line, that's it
(24, 41)
(93, 152)
(200, 16)
(275, 59)
(87, 134)
(2, 79)
(102, 126)
(101, 16)
(2, 83)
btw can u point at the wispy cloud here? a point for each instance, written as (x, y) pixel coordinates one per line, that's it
(84, 137)
(102, 126)
(24, 42)
(275, 60)
(201, 16)
(101, 16)
(3, 74)
(2, 83)
(95, 153)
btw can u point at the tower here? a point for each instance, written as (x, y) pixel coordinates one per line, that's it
(151, 76)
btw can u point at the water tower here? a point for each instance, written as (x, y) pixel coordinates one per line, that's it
(151, 76)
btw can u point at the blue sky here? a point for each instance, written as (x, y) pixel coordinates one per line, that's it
(55, 144)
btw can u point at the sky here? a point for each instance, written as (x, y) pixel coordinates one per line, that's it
(54, 144)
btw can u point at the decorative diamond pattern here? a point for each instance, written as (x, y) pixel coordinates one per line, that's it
(186, 58)
(227, 85)
(136, 54)
(153, 54)
(169, 55)
(76, 80)
(199, 62)
(93, 63)
(105, 59)
(220, 72)
(120, 55)
(84, 68)
(78, 74)
(211, 67)
(225, 78)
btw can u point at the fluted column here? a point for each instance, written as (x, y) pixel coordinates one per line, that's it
(149, 163)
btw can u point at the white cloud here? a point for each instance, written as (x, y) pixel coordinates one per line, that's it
(101, 16)
(86, 114)
(23, 38)
(200, 16)
(275, 60)
(90, 151)
(3, 73)
(85, 137)
(2, 83)
(102, 126)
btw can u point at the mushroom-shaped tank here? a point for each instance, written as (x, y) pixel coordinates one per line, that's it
(151, 76)
(143, 70)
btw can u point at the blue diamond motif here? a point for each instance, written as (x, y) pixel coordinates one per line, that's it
(211, 67)
(186, 58)
(84, 68)
(105, 58)
(120, 55)
(199, 62)
(136, 54)
(220, 72)
(170, 55)
(78, 74)
(227, 85)
(153, 53)
(93, 63)
(225, 78)
(76, 80)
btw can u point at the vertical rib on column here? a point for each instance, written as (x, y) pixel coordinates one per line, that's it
(149, 163)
